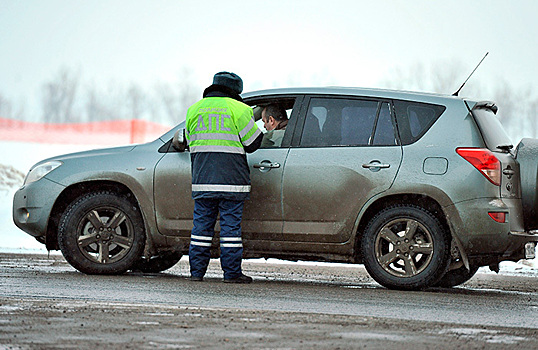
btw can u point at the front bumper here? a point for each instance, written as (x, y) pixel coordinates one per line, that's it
(32, 205)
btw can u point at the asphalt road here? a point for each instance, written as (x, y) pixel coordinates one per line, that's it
(504, 305)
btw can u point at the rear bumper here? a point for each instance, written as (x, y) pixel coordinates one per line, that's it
(531, 235)
(480, 235)
(32, 205)
(531, 242)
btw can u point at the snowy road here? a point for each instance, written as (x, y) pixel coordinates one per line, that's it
(489, 300)
(488, 310)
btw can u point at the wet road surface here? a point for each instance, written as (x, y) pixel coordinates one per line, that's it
(486, 302)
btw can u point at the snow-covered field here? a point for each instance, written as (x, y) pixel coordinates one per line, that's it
(17, 158)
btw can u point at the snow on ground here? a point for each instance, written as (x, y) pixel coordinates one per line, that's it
(18, 157)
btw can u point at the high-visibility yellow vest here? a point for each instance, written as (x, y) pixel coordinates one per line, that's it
(220, 124)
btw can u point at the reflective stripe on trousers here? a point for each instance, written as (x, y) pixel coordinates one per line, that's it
(231, 246)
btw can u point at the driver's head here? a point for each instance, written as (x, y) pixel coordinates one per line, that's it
(272, 115)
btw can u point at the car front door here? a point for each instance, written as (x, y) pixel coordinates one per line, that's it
(262, 216)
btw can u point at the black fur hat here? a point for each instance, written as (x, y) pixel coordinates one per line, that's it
(229, 80)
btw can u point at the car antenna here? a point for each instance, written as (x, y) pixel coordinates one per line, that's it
(462, 85)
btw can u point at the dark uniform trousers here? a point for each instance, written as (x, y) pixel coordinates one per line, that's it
(206, 211)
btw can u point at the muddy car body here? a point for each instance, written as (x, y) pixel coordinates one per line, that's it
(423, 189)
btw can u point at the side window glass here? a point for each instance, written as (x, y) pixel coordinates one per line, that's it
(414, 119)
(314, 122)
(357, 123)
(384, 132)
(347, 122)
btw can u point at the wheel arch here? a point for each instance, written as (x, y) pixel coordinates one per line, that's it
(420, 200)
(74, 191)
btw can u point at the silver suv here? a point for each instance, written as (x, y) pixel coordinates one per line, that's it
(422, 189)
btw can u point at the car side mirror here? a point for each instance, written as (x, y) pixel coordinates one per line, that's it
(179, 142)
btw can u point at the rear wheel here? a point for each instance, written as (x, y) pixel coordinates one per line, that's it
(405, 247)
(101, 233)
(456, 277)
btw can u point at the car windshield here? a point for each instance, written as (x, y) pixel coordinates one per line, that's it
(492, 130)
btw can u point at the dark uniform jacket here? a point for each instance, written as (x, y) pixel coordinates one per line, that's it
(220, 131)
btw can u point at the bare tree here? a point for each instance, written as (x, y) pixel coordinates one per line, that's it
(62, 102)
(177, 98)
(9, 110)
(517, 110)
(6, 108)
(96, 105)
(443, 77)
(92, 106)
(59, 97)
(517, 107)
(136, 102)
(112, 103)
(533, 118)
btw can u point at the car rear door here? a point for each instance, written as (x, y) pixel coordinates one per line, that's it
(347, 152)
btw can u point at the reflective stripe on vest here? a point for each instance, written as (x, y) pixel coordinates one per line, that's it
(252, 138)
(214, 136)
(220, 124)
(225, 149)
(220, 188)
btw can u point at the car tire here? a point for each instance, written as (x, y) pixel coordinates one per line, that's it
(157, 263)
(405, 247)
(456, 277)
(101, 233)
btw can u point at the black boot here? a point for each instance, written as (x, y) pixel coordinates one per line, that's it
(241, 279)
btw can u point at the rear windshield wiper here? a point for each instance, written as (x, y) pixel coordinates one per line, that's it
(505, 148)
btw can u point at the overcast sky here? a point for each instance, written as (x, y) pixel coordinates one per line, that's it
(268, 43)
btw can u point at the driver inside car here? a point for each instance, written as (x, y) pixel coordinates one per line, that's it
(275, 120)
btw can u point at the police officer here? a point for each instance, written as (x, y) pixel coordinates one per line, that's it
(220, 130)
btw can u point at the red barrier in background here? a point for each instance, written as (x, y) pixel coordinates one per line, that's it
(116, 132)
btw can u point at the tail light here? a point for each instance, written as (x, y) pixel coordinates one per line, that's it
(485, 161)
(498, 216)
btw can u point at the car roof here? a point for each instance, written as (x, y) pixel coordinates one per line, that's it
(356, 91)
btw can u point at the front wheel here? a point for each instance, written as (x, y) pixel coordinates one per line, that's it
(101, 233)
(405, 247)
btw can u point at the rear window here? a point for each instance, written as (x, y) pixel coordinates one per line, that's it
(492, 130)
(414, 119)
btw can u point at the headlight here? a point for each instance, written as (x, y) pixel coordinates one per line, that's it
(41, 170)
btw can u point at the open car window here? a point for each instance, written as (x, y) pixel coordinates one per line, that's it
(275, 138)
